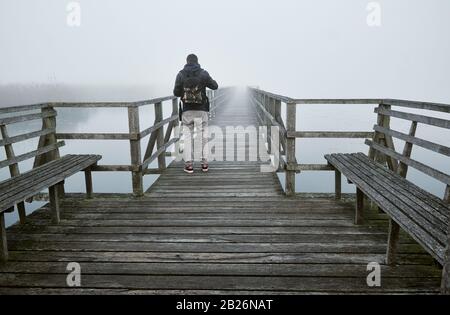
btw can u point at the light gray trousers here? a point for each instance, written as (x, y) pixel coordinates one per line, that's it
(195, 133)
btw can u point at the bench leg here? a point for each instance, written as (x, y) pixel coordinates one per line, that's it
(393, 237)
(61, 190)
(3, 241)
(445, 285)
(22, 212)
(54, 203)
(337, 185)
(88, 179)
(359, 209)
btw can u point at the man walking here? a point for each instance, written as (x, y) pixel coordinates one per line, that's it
(190, 86)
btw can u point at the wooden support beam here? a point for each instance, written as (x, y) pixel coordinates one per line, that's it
(393, 238)
(54, 203)
(135, 151)
(88, 180)
(3, 241)
(445, 284)
(160, 136)
(359, 209)
(337, 184)
(403, 168)
(290, 148)
(432, 121)
(331, 134)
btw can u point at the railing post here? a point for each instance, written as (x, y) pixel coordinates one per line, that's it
(135, 151)
(176, 126)
(291, 109)
(13, 170)
(160, 136)
(268, 108)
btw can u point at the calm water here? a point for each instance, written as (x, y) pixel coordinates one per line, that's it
(309, 118)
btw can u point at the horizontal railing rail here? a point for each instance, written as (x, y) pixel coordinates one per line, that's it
(268, 107)
(159, 141)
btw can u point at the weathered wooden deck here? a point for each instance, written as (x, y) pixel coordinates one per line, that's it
(230, 231)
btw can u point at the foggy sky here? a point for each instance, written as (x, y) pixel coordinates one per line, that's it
(314, 48)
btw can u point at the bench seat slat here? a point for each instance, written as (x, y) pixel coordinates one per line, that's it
(417, 194)
(53, 176)
(420, 233)
(4, 185)
(423, 216)
(26, 182)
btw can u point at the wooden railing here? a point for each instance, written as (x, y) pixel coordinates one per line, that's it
(159, 141)
(269, 111)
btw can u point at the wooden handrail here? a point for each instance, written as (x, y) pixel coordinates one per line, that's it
(264, 101)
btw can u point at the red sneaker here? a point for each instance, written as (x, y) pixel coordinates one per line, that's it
(188, 168)
(205, 167)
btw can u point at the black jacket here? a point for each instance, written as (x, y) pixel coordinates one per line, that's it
(205, 78)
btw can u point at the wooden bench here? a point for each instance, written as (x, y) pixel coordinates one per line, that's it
(422, 215)
(49, 170)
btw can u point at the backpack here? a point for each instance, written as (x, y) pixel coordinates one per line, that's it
(192, 90)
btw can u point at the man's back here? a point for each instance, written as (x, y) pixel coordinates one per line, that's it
(194, 70)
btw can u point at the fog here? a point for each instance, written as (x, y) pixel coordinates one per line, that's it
(320, 48)
(132, 50)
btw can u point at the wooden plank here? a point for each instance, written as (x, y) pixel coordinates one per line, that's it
(363, 101)
(27, 117)
(135, 151)
(432, 121)
(444, 108)
(97, 136)
(413, 163)
(330, 134)
(185, 247)
(309, 167)
(300, 284)
(438, 148)
(257, 258)
(221, 269)
(22, 108)
(23, 137)
(113, 168)
(31, 154)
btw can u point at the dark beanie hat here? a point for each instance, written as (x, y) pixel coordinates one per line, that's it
(192, 59)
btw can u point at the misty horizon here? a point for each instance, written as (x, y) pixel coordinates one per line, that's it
(302, 49)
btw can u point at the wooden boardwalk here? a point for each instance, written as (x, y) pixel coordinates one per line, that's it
(230, 231)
